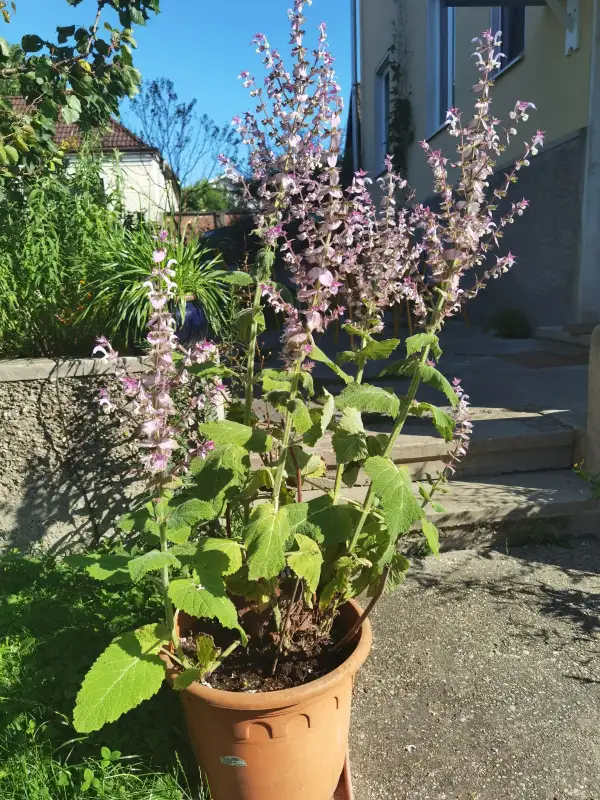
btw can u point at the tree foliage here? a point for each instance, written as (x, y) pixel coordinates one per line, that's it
(80, 76)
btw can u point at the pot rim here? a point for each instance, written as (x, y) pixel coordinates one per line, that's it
(261, 701)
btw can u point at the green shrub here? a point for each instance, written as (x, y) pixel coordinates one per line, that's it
(71, 268)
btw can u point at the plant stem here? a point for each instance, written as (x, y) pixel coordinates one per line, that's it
(286, 438)
(338, 484)
(399, 422)
(169, 616)
(251, 355)
(359, 622)
(340, 467)
(233, 646)
(285, 627)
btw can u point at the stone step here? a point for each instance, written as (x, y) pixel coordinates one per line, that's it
(504, 441)
(546, 506)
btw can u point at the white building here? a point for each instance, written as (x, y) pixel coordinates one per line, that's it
(148, 184)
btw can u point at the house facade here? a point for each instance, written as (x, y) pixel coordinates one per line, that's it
(146, 181)
(415, 55)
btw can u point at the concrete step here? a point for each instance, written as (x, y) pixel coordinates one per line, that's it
(504, 441)
(546, 506)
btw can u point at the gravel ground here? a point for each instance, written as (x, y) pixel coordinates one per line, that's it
(484, 681)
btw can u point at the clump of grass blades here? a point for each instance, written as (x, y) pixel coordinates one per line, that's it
(52, 621)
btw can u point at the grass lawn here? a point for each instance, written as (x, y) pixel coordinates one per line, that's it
(54, 622)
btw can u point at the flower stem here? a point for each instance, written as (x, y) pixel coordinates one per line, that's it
(286, 438)
(286, 625)
(251, 355)
(169, 615)
(340, 467)
(399, 422)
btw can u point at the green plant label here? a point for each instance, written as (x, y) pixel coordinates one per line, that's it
(233, 761)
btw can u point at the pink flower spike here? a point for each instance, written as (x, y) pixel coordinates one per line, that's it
(158, 256)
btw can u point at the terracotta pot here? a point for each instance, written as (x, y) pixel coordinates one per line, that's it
(284, 745)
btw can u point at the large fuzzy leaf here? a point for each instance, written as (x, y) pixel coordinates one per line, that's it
(228, 432)
(321, 420)
(443, 422)
(322, 521)
(416, 343)
(300, 416)
(372, 399)
(306, 561)
(431, 535)
(231, 549)
(393, 488)
(376, 351)
(427, 374)
(318, 355)
(128, 672)
(205, 598)
(265, 538)
(112, 568)
(349, 440)
(153, 561)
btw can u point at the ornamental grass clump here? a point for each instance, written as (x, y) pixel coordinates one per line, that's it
(238, 537)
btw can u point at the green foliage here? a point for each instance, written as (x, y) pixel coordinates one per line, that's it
(349, 439)
(82, 76)
(306, 561)
(204, 598)
(127, 673)
(431, 535)
(317, 354)
(41, 757)
(265, 538)
(392, 486)
(206, 195)
(321, 419)
(443, 422)
(416, 343)
(425, 373)
(228, 432)
(372, 399)
(120, 298)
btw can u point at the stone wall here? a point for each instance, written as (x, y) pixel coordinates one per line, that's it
(65, 466)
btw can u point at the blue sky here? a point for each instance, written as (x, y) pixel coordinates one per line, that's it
(202, 45)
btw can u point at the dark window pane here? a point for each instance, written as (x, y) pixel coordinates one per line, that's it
(513, 32)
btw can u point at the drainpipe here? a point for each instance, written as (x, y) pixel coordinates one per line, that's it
(354, 95)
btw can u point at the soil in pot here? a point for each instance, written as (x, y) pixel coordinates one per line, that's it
(250, 669)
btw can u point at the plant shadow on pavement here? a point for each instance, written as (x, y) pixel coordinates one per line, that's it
(527, 584)
(53, 624)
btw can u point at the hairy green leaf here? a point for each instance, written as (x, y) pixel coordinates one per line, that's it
(416, 343)
(307, 561)
(377, 351)
(427, 374)
(392, 486)
(243, 322)
(228, 432)
(372, 399)
(112, 568)
(153, 561)
(321, 420)
(265, 538)
(431, 535)
(443, 422)
(128, 672)
(238, 278)
(349, 440)
(231, 549)
(205, 598)
(185, 679)
(300, 416)
(398, 569)
(318, 355)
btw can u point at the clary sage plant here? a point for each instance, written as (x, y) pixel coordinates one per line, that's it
(232, 524)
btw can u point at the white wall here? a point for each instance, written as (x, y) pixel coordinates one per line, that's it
(145, 187)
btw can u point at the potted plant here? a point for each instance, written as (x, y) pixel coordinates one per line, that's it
(258, 570)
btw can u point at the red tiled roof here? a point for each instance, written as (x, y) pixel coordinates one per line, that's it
(117, 137)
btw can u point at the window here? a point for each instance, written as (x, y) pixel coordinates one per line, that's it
(440, 63)
(511, 21)
(382, 99)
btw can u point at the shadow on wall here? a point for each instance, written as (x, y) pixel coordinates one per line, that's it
(67, 466)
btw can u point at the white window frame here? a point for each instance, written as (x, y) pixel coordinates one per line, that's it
(437, 72)
(496, 25)
(383, 90)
